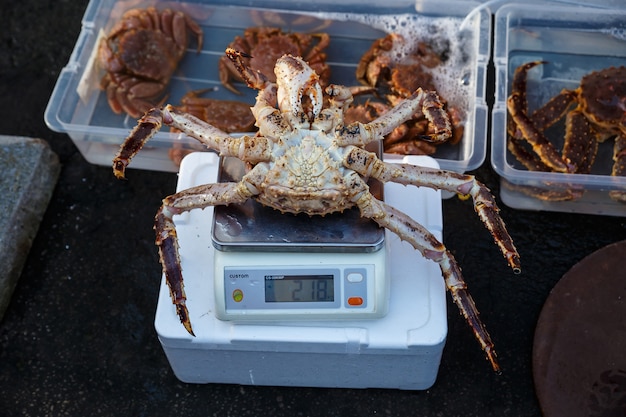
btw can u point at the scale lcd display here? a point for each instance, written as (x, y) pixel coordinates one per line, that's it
(299, 288)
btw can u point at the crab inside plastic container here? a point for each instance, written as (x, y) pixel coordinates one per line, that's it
(79, 107)
(571, 42)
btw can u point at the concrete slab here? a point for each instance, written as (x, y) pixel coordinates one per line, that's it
(30, 172)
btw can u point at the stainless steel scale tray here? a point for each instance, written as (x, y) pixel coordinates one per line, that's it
(254, 227)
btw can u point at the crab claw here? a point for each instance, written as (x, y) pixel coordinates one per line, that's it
(299, 90)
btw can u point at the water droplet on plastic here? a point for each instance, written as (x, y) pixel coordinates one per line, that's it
(465, 79)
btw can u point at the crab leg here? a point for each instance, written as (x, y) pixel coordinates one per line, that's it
(546, 115)
(252, 149)
(367, 164)
(518, 107)
(316, 58)
(541, 119)
(529, 159)
(361, 134)
(619, 156)
(534, 136)
(254, 79)
(619, 165)
(421, 239)
(519, 85)
(167, 241)
(553, 110)
(580, 146)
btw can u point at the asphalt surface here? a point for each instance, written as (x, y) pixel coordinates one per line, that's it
(78, 337)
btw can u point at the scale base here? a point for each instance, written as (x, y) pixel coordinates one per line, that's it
(401, 350)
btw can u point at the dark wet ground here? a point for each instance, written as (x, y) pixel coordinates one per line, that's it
(78, 338)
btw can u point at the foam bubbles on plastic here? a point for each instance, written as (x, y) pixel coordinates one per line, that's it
(454, 77)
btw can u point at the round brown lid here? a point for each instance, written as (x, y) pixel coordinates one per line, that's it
(579, 352)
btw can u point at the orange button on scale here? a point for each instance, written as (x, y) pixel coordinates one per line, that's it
(355, 301)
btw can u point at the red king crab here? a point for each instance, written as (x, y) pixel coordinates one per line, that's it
(396, 68)
(264, 45)
(140, 54)
(594, 112)
(305, 160)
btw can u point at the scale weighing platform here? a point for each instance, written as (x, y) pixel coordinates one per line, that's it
(284, 300)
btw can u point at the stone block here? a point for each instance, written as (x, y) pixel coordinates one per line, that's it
(30, 170)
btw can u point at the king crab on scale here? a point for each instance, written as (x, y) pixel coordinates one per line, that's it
(304, 159)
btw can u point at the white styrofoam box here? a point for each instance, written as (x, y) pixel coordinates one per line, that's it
(401, 350)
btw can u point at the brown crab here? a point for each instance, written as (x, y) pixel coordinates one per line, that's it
(396, 68)
(264, 45)
(229, 116)
(140, 54)
(306, 160)
(594, 112)
(395, 141)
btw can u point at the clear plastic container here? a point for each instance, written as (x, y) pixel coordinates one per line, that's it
(574, 41)
(79, 108)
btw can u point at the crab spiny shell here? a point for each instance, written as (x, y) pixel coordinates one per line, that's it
(307, 177)
(603, 97)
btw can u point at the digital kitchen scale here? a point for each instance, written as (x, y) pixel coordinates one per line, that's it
(330, 301)
(270, 265)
